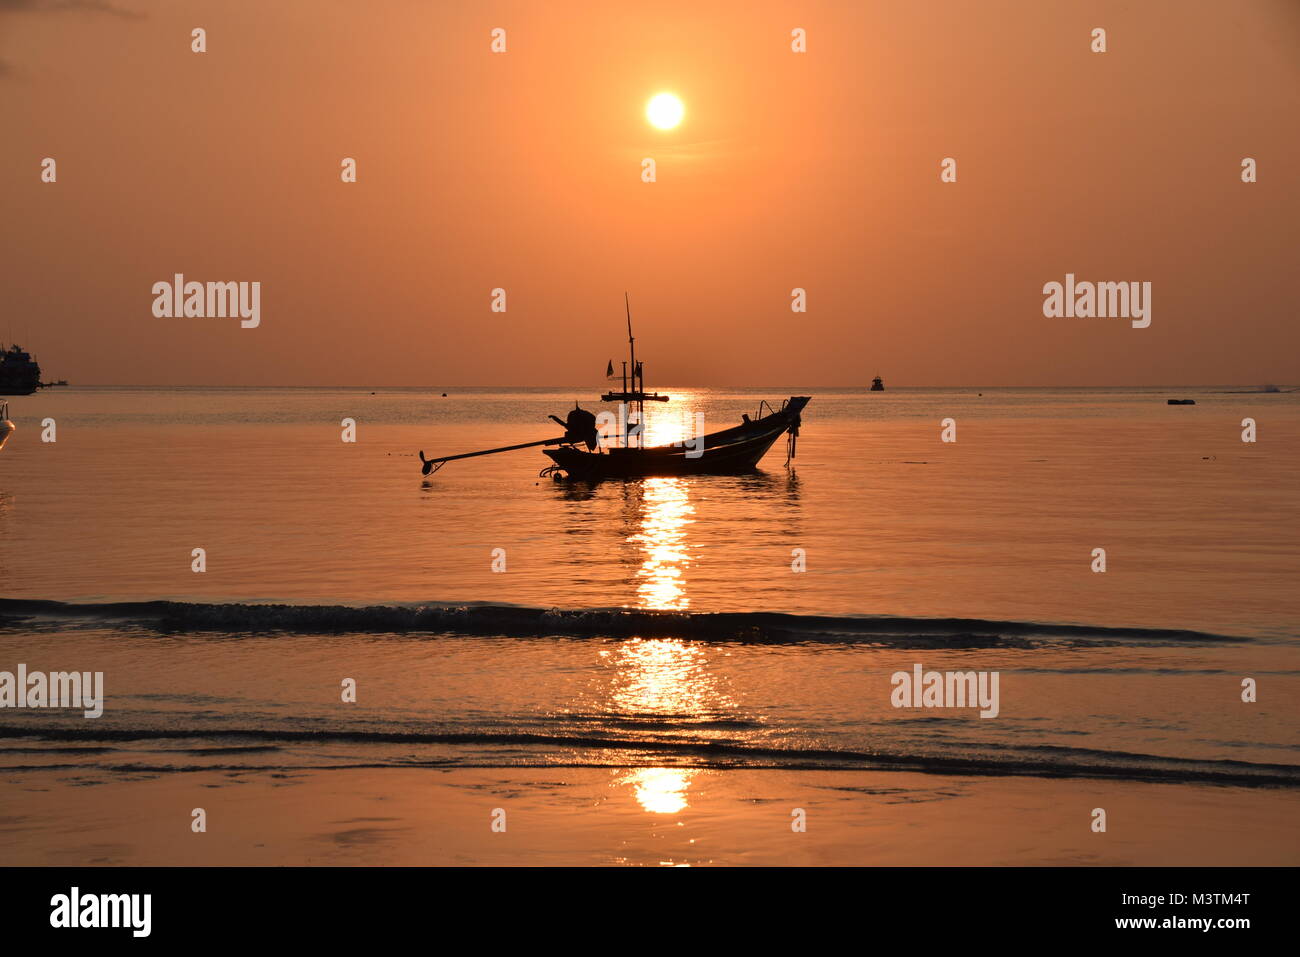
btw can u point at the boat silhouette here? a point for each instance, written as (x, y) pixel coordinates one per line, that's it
(20, 374)
(580, 456)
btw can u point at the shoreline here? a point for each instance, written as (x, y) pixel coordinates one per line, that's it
(638, 816)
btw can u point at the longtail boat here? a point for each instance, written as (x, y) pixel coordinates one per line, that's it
(581, 454)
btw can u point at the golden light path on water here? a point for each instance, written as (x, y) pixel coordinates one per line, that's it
(656, 679)
(673, 423)
(660, 790)
(662, 538)
(663, 677)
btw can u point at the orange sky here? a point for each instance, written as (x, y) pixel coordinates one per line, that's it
(522, 170)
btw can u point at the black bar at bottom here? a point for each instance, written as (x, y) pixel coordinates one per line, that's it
(300, 905)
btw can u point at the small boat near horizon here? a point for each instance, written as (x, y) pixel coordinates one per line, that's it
(581, 455)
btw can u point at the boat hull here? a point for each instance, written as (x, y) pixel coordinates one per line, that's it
(731, 452)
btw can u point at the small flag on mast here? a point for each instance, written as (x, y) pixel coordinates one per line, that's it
(609, 370)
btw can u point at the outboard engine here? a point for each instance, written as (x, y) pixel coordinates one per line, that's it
(580, 426)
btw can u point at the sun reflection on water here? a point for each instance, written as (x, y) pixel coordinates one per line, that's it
(667, 513)
(664, 684)
(660, 790)
(663, 677)
(665, 427)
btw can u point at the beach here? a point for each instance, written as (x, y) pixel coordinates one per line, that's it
(650, 817)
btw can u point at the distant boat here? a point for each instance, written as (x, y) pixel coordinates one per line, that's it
(19, 372)
(1182, 401)
(579, 455)
(877, 384)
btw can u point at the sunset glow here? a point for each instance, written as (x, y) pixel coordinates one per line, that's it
(422, 448)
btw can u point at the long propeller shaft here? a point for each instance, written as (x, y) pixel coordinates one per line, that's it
(431, 465)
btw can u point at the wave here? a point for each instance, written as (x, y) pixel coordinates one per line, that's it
(239, 618)
(604, 751)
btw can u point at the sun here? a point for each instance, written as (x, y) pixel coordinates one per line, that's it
(664, 111)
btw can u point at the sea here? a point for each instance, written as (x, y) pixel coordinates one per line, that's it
(233, 564)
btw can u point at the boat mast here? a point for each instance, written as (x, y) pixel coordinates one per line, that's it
(640, 403)
(632, 401)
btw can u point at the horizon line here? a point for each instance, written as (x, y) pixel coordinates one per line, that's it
(560, 387)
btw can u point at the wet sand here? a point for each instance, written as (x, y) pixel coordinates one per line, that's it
(650, 816)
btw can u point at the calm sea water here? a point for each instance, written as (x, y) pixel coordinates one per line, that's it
(900, 534)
